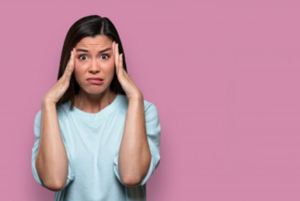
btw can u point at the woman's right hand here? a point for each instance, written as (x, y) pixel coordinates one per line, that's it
(61, 86)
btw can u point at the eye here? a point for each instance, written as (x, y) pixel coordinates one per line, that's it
(81, 56)
(105, 55)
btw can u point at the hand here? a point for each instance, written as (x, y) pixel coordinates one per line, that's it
(131, 90)
(61, 86)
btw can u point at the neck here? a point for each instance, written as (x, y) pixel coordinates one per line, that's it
(93, 103)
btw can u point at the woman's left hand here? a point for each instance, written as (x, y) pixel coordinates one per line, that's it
(131, 90)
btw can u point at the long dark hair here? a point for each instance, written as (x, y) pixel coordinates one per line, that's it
(92, 26)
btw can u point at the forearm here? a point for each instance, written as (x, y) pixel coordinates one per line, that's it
(51, 158)
(134, 154)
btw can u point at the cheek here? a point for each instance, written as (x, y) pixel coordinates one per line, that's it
(78, 73)
(113, 68)
(108, 68)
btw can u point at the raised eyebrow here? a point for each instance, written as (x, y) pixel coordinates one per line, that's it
(101, 51)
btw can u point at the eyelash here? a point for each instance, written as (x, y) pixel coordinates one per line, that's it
(107, 56)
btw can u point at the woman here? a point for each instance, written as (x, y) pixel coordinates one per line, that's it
(96, 138)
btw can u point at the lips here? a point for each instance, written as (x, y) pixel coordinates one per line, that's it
(95, 81)
(94, 78)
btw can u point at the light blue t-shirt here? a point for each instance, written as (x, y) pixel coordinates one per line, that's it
(92, 142)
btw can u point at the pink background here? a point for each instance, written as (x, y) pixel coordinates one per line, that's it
(224, 76)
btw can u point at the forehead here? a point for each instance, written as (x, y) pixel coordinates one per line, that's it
(100, 41)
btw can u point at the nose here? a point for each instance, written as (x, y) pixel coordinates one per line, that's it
(94, 67)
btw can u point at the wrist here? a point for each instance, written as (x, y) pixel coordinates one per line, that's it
(137, 97)
(47, 102)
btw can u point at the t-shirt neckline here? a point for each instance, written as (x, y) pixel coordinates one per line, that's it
(96, 116)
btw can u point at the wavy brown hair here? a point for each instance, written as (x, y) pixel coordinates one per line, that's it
(92, 26)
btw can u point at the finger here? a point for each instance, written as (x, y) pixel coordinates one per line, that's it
(121, 61)
(74, 57)
(114, 55)
(113, 48)
(117, 56)
(69, 67)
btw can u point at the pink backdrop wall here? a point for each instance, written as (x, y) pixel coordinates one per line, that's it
(224, 76)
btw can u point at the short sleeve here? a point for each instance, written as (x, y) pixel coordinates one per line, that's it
(153, 130)
(37, 130)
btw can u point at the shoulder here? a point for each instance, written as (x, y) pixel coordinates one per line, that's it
(148, 106)
(38, 117)
(151, 112)
(62, 113)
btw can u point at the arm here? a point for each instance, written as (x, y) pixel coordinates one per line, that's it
(134, 155)
(51, 157)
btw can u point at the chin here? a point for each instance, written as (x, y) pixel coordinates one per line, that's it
(95, 89)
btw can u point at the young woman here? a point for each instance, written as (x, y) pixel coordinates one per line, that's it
(96, 138)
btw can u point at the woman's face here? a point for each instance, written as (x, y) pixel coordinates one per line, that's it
(90, 62)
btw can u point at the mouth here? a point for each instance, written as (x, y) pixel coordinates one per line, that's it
(95, 81)
(94, 78)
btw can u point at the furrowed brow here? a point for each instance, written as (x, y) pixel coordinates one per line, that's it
(101, 51)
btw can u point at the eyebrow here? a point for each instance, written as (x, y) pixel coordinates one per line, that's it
(101, 51)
